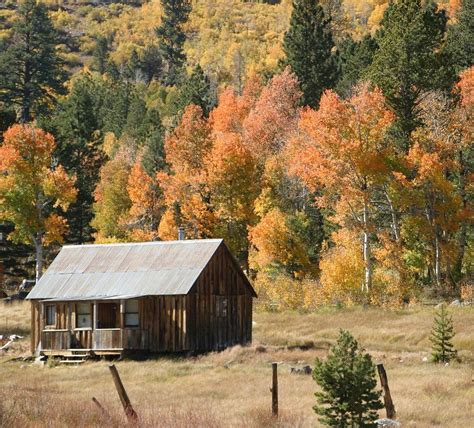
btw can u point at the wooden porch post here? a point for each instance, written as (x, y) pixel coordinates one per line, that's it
(33, 329)
(122, 314)
(94, 316)
(69, 323)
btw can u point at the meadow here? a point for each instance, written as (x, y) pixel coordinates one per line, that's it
(231, 388)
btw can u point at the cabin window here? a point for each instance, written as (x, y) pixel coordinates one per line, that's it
(131, 313)
(84, 315)
(221, 306)
(108, 316)
(50, 315)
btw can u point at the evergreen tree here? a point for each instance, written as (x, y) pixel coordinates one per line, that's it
(410, 61)
(133, 70)
(196, 89)
(461, 36)
(100, 54)
(347, 379)
(171, 37)
(77, 125)
(151, 63)
(308, 46)
(31, 72)
(443, 332)
(355, 58)
(153, 147)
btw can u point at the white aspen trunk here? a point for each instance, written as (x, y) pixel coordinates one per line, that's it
(437, 269)
(38, 243)
(367, 262)
(393, 214)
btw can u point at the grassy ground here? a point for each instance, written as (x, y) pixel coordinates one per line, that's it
(231, 388)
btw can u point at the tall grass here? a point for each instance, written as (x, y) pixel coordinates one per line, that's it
(231, 388)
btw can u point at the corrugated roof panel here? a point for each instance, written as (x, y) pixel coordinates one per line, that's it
(152, 268)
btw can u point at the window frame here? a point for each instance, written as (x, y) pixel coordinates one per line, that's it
(222, 306)
(47, 314)
(90, 314)
(129, 312)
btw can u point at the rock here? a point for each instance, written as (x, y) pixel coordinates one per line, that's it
(424, 359)
(386, 423)
(301, 370)
(456, 303)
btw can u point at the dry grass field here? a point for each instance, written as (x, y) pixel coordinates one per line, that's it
(231, 388)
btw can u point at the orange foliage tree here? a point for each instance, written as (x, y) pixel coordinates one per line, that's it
(343, 151)
(274, 116)
(146, 204)
(185, 188)
(32, 190)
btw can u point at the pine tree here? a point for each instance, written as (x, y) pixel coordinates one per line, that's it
(100, 54)
(443, 332)
(153, 147)
(461, 36)
(196, 89)
(31, 71)
(171, 37)
(347, 379)
(151, 63)
(410, 61)
(77, 125)
(355, 58)
(308, 46)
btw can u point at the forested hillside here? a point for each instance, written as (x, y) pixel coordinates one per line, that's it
(330, 143)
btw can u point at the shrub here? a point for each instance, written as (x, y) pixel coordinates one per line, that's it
(347, 379)
(443, 332)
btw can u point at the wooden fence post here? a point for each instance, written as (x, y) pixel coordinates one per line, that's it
(387, 398)
(102, 409)
(274, 389)
(127, 405)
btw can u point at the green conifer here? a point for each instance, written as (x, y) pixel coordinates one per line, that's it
(355, 58)
(196, 89)
(461, 36)
(347, 379)
(171, 38)
(410, 61)
(308, 46)
(31, 71)
(441, 336)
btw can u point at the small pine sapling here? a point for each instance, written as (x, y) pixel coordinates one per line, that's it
(441, 337)
(348, 381)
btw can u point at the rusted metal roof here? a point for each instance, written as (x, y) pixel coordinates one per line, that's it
(138, 269)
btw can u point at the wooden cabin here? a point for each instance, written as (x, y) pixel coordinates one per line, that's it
(168, 296)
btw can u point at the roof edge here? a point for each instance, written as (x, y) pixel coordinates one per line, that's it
(130, 244)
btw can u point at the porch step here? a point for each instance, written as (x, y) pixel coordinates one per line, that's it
(72, 361)
(75, 356)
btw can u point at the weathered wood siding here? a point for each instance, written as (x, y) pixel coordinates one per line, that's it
(164, 317)
(209, 328)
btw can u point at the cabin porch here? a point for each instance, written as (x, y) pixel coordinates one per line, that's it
(98, 327)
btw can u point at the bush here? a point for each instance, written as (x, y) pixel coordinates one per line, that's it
(347, 379)
(443, 332)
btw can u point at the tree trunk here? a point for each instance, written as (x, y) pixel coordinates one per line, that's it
(462, 241)
(437, 267)
(367, 262)
(394, 216)
(38, 243)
